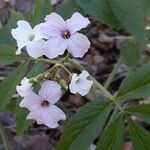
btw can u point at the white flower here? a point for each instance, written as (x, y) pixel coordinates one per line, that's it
(54, 2)
(80, 84)
(63, 35)
(92, 147)
(42, 105)
(31, 38)
(25, 88)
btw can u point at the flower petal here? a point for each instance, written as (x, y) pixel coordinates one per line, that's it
(84, 74)
(25, 88)
(50, 91)
(38, 32)
(78, 45)
(56, 20)
(22, 31)
(55, 47)
(21, 34)
(36, 115)
(31, 102)
(77, 22)
(52, 115)
(82, 87)
(35, 49)
(49, 30)
(54, 2)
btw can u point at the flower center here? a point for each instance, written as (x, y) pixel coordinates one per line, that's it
(45, 103)
(66, 34)
(31, 37)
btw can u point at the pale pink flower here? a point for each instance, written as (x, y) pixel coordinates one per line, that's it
(30, 38)
(63, 35)
(42, 105)
(80, 84)
(25, 88)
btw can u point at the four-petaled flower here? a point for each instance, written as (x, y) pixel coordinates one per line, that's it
(42, 105)
(30, 38)
(25, 88)
(80, 84)
(63, 35)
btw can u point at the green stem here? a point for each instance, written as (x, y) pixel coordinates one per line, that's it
(113, 73)
(4, 137)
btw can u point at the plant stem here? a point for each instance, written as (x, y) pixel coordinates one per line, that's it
(4, 137)
(44, 60)
(113, 73)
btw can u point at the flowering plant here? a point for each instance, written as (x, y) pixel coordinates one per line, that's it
(51, 41)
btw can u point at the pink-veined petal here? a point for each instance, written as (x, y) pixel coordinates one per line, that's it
(31, 102)
(51, 91)
(78, 45)
(52, 115)
(57, 21)
(36, 115)
(55, 47)
(77, 22)
(50, 30)
(35, 49)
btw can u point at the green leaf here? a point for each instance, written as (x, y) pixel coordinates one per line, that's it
(129, 50)
(136, 85)
(21, 123)
(67, 8)
(37, 68)
(8, 85)
(129, 15)
(113, 136)
(142, 111)
(144, 6)
(11, 107)
(101, 11)
(139, 136)
(41, 9)
(84, 126)
(7, 55)
(5, 32)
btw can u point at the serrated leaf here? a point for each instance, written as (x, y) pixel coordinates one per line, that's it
(129, 50)
(7, 55)
(113, 136)
(129, 16)
(41, 9)
(144, 6)
(84, 126)
(142, 111)
(5, 32)
(101, 11)
(139, 136)
(136, 85)
(8, 85)
(67, 8)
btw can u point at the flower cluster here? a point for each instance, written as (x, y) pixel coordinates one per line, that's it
(51, 39)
